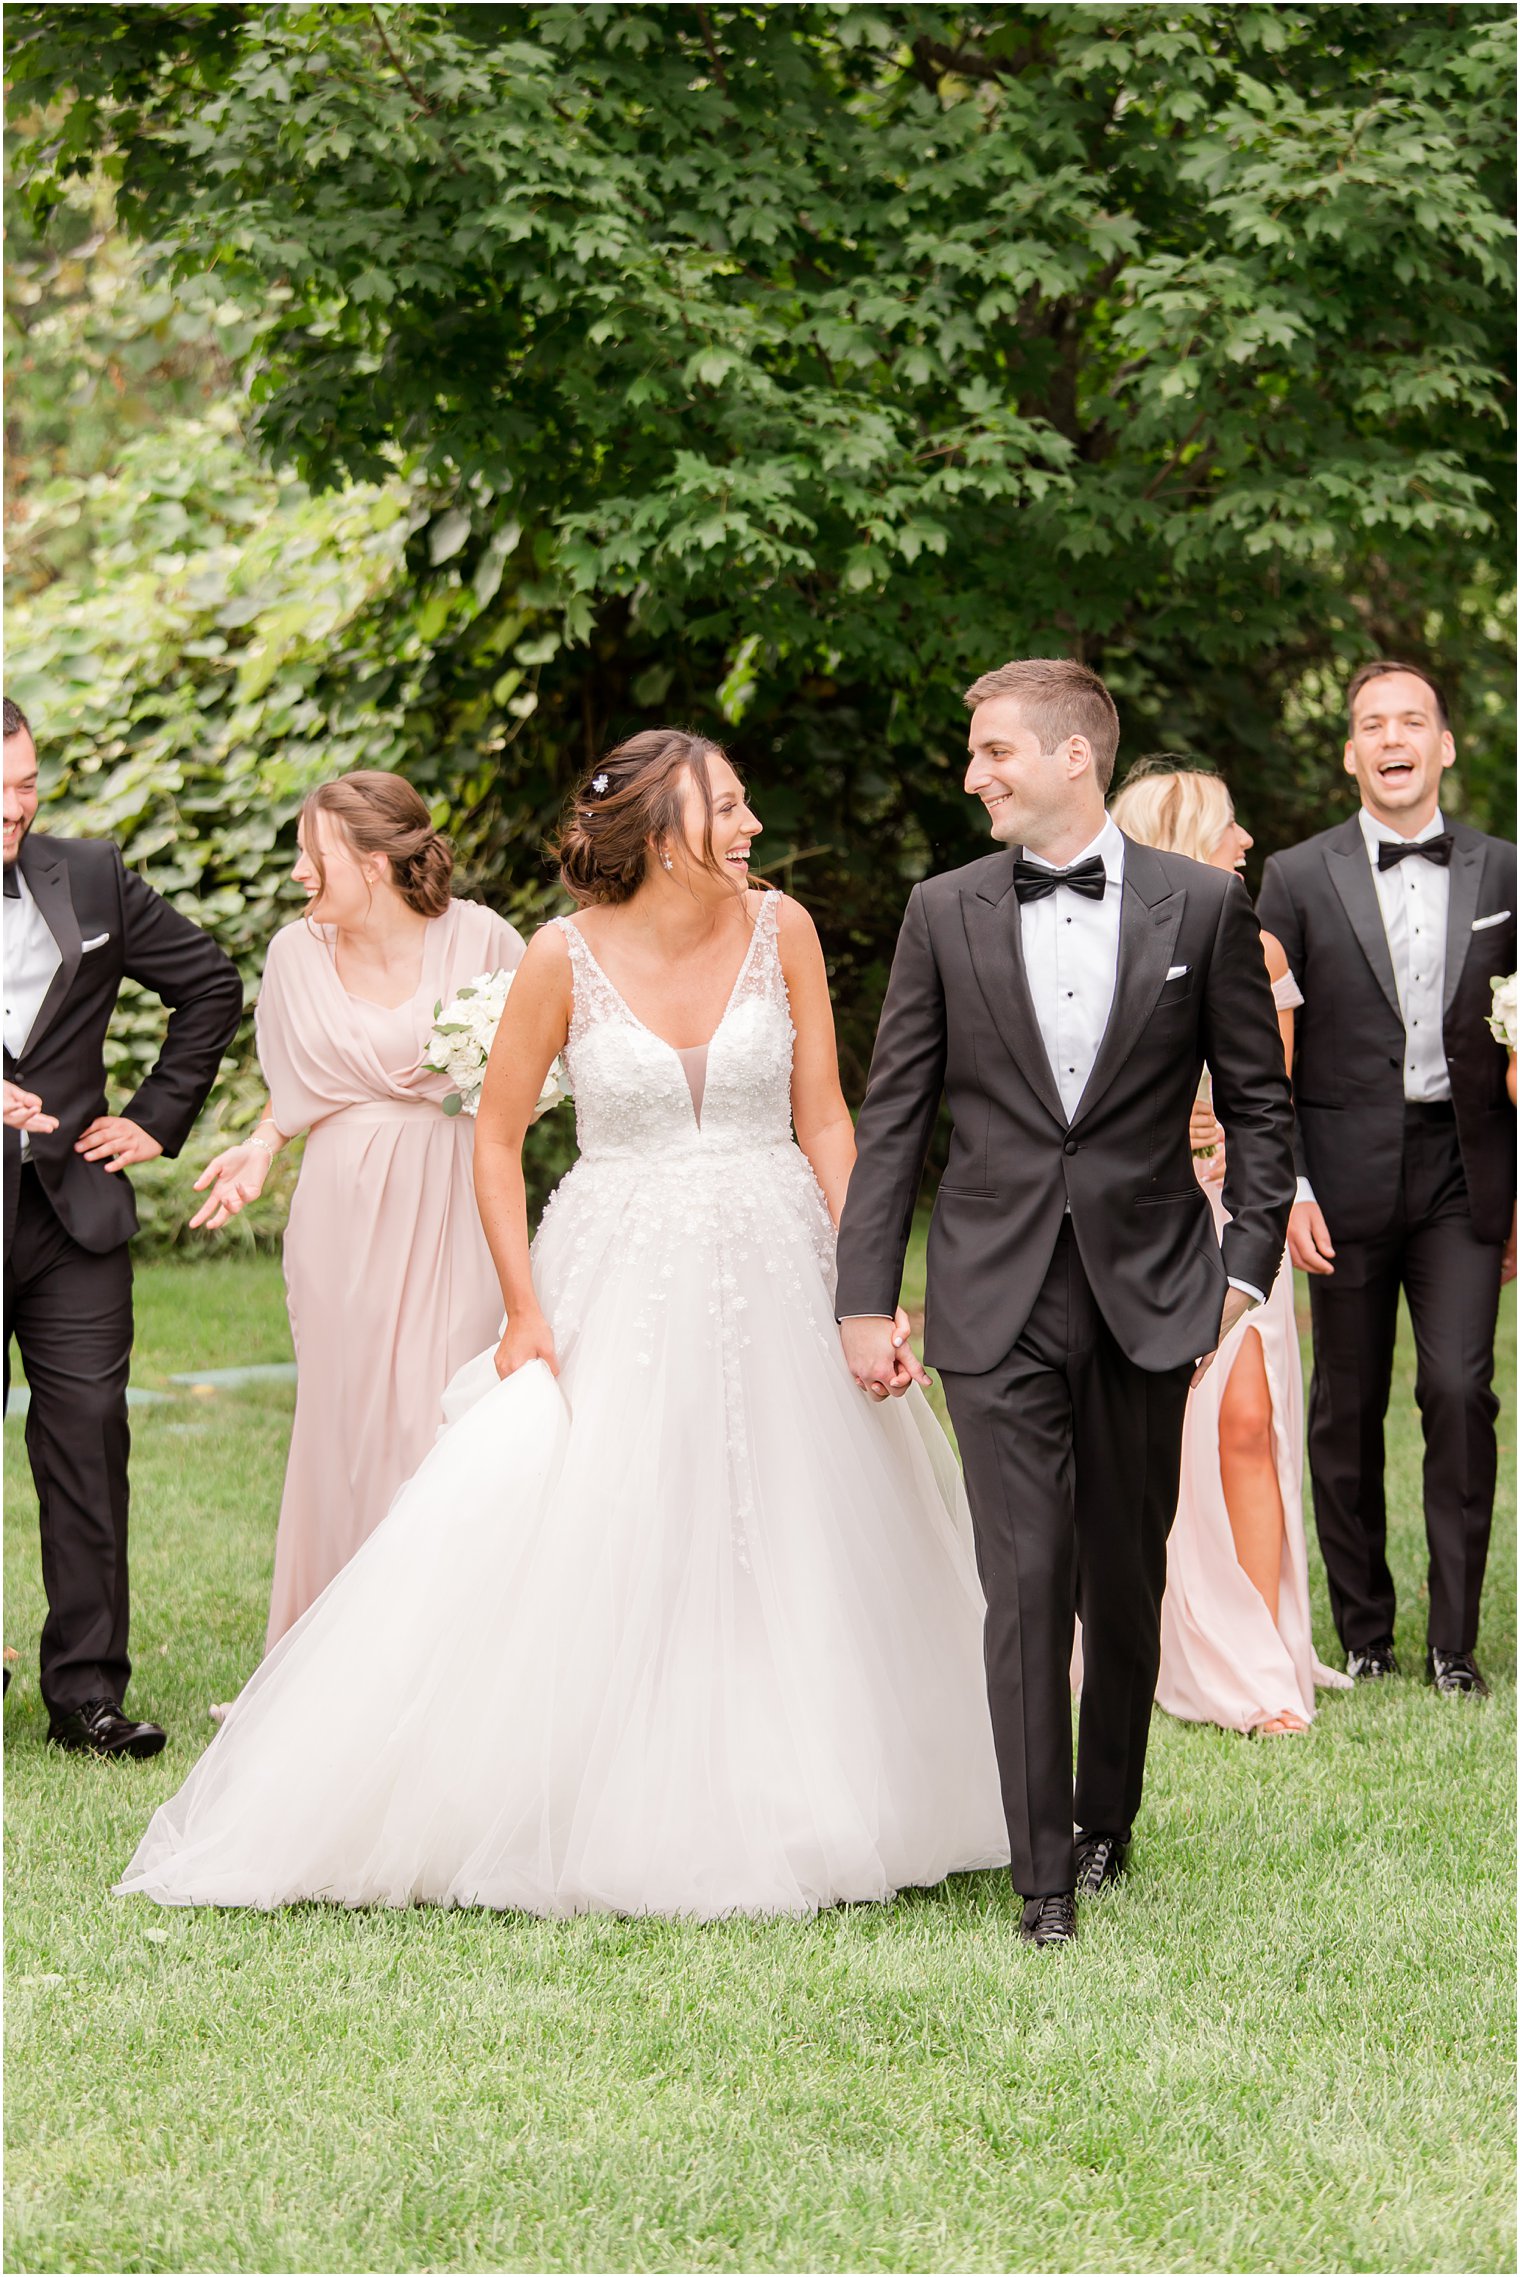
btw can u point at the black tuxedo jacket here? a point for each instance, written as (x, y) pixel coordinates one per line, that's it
(959, 1018)
(1348, 1038)
(87, 894)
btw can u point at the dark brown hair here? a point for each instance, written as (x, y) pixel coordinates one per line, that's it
(1379, 671)
(382, 814)
(16, 722)
(633, 798)
(1057, 698)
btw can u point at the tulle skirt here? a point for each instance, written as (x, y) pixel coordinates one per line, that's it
(693, 1630)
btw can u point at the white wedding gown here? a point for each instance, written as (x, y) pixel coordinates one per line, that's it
(695, 1630)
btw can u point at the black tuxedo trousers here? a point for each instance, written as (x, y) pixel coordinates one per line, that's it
(1450, 1278)
(1071, 1454)
(70, 1310)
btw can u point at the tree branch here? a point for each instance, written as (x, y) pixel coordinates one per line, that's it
(713, 56)
(429, 109)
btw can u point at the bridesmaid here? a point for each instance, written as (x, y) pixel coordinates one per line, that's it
(1236, 1647)
(389, 1280)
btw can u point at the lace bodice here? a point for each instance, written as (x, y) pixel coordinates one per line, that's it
(636, 1095)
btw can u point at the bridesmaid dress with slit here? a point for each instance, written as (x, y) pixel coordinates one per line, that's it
(1224, 1660)
(389, 1279)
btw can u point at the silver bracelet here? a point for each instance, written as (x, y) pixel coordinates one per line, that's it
(262, 1144)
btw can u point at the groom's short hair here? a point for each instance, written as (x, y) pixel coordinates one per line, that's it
(1057, 697)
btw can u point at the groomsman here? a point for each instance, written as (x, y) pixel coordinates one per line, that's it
(1395, 924)
(78, 922)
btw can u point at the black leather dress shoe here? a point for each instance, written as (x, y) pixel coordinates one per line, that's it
(1049, 1920)
(1454, 1672)
(1373, 1660)
(1100, 1861)
(100, 1728)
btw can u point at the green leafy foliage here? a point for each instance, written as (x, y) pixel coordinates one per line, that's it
(779, 369)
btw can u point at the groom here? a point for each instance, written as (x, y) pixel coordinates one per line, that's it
(1063, 994)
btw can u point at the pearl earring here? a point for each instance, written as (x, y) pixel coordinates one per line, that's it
(669, 864)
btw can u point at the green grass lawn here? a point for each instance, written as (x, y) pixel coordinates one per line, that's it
(1285, 2043)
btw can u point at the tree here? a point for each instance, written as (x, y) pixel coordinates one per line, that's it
(781, 368)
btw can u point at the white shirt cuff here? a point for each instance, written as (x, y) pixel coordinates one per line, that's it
(1246, 1290)
(1305, 1191)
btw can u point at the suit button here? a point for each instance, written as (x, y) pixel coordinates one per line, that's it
(1070, 1147)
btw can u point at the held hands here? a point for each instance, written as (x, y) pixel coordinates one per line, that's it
(1236, 1305)
(23, 1111)
(116, 1141)
(527, 1337)
(879, 1355)
(236, 1178)
(1309, 1243)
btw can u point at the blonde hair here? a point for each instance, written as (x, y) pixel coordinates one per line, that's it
(1182, 810)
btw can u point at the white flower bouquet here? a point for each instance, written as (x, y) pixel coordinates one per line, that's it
(1502, 1021)
(460, 1044)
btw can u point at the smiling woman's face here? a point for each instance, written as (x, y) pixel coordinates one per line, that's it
(1398, 750)
(1234, 845)
(735, 826)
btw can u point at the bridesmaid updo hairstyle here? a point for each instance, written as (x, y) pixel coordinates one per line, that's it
(1174, 804)
(626, 806)
(382, 814)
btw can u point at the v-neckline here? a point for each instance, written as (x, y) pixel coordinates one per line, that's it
(676, 1050)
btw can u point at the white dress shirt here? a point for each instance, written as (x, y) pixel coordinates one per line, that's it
(32, 957)
(1071, 962)
(1413, 896)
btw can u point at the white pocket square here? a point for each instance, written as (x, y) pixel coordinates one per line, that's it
(1175, 972)
(96, 941)
(1481, 924)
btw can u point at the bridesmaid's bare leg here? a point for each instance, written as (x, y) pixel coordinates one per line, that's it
(1248, 1474)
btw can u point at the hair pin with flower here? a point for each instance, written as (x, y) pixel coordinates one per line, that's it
(599, 783)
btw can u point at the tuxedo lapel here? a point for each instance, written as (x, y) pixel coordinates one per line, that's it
(1351, 875)
(1149, 917)
(47, 879)
(990, 914)
(1466, 874)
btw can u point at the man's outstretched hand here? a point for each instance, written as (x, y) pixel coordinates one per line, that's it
(24, 1112)
(879, 1355)
(116, 1141)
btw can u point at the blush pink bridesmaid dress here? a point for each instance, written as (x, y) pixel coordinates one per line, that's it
(390, 1282)
(1224, 1660)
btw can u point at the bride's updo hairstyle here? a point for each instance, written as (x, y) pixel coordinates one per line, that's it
(1174, 804)
(628, 805)
(382, 814)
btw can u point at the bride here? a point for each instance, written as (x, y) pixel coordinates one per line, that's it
(670, 1620)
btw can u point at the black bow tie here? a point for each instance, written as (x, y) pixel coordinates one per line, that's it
(1433, 849)
(1032, 881)
(12, 883)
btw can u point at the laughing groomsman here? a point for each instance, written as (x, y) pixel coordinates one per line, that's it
(1395, 924)
(77, 923)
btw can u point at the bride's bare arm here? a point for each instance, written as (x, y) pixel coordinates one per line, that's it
(820, 1117)
(533, 1029)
